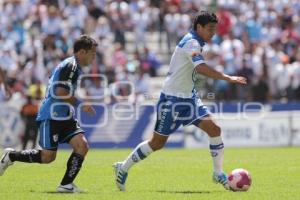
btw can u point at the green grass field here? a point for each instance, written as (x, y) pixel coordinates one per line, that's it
(168, 174)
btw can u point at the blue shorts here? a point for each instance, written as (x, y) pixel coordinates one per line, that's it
(172, 112)
(53, 132)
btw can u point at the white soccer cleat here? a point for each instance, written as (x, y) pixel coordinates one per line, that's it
(121, 176)
(5, 161)
(222, 179)
(69, 188)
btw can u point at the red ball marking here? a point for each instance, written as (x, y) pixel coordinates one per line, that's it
(245, 180)
(230, 177)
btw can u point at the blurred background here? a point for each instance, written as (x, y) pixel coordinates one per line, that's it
(258, 39)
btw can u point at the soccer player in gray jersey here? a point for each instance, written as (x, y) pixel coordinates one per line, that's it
(178, 104)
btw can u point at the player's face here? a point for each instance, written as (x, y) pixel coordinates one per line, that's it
(89, 55)
(207, 32)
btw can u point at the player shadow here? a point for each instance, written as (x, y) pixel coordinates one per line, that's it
(187, 192)
(60, 193)
(54, 192)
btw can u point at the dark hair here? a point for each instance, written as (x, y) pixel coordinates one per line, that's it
(203, 18)
(84, 42)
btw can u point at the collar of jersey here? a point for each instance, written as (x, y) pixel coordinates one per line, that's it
(74, 57)
(197, 37)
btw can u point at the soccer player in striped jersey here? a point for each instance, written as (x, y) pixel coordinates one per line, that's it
(56, 119)
(179, 105)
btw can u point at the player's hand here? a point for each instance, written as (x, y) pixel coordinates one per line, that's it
(89, 109)
(237, 79)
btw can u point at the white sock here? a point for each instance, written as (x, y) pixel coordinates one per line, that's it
(139, 153)
(217, 152)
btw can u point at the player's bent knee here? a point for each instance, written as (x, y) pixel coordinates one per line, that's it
(218, 130)
(215, 131)
(155, 145)
(157, 142)
(81, 147)
(159, 146)
(48, 158)
(85, 147)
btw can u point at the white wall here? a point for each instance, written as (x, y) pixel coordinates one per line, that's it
(261, 129)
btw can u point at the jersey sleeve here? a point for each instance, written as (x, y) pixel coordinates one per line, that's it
(67, 76)
(194, 52)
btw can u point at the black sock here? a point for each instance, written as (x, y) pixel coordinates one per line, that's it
(29, 156)
(73, 167)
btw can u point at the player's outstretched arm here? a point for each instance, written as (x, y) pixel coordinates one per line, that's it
(210, 72)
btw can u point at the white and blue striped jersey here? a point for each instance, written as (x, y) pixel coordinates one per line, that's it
(182, 75)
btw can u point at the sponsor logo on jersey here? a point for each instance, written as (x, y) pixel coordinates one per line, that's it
(55, 138)
(196, 56)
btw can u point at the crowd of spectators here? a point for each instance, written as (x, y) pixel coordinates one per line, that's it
(258, 39)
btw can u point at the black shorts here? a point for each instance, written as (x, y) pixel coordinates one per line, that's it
(53, 132)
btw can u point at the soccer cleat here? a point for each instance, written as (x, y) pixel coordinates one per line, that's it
(69, 188)
(222, 179)
(5, 161)
(121, 176)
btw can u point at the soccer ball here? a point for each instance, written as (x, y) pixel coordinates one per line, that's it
(239, 180)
